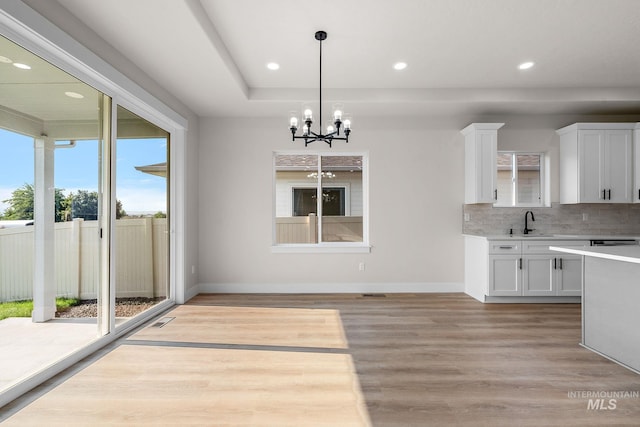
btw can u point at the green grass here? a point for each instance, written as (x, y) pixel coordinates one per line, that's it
(24, 308)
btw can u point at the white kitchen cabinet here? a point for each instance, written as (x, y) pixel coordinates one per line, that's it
(538, 275)
(568, 275)
(480, 154)
(596, 163)
(505, 275)
(546, 275)
(527, 268)
(505, 269)
(635, 196)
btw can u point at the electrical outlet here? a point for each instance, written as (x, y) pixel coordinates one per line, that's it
(361, 266)
(193, 269)
(466, 217)
(585, 216)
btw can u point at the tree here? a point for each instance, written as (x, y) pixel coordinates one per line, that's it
(21, 204)
(120, 212)
(83, 204)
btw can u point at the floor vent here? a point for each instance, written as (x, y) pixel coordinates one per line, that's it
(160, 323)
(374, 295)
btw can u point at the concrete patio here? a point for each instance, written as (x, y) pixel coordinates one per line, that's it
(27, 347)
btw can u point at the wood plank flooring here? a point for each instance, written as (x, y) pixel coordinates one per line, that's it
(340, 360)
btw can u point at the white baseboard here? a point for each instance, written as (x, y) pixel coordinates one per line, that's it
(329, 288)
(191, 292)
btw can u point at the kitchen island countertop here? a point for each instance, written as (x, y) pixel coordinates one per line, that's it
(629, 253)
(610, 298)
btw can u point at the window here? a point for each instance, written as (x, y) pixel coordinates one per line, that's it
(305, 201)
(320, 200)
(520, 179)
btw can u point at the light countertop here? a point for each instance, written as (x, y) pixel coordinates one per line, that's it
(552, 237)
(615, 253)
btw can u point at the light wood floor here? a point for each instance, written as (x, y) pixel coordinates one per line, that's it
(341, 360)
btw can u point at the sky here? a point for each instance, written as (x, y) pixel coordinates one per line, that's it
(77, 169)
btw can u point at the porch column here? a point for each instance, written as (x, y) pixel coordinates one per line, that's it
(44, 287)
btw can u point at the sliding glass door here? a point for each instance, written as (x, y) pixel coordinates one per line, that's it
(84, 237)
(52, 140)
(141, 239)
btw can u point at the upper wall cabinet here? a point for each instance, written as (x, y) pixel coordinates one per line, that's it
(480, 153)
(596, 163)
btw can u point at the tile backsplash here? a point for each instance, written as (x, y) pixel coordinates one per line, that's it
(588, 218)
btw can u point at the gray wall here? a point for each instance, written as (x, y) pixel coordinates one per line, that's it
(414, 212)
(416, 202)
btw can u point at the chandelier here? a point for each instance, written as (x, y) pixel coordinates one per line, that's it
(323, 174)
(333, 131)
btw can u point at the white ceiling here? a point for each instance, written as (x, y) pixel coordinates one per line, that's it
(462, 55)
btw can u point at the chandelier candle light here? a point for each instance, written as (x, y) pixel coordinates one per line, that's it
(333, 132)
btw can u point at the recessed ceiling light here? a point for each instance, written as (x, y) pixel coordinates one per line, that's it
(525, 65)
(75, 95)
(273, 66)
(21, 66)
(5, 60)
(399, 66)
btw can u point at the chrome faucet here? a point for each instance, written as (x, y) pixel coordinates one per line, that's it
(526, 225)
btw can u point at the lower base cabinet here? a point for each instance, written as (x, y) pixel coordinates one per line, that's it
(505, 275)
(529, 268)
(544, 275)
(569, 275)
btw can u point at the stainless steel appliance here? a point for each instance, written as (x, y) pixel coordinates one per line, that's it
(613, 242)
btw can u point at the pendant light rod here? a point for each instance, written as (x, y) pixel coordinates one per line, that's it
(308, 135)
(320, 36)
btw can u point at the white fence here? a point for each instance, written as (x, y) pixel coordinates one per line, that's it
(304, 229)
(140, 265)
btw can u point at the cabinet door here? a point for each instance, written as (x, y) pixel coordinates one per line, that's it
(591, 153)
(569, 275)
(481, 149)
(505, 277)
(636, 166)
(617, 166)
(487, 170)
(538, 275)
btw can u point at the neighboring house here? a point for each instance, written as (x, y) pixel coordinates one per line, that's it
(158, 169)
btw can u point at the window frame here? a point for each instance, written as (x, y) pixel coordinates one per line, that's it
(514, 179)
(324, 247)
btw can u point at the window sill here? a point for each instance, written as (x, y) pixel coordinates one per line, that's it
(332, 248)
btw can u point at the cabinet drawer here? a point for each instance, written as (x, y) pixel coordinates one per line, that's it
(542, 246)
(504, 247)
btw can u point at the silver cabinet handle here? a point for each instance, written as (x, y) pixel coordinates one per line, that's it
(506, 247)
(560, 263)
